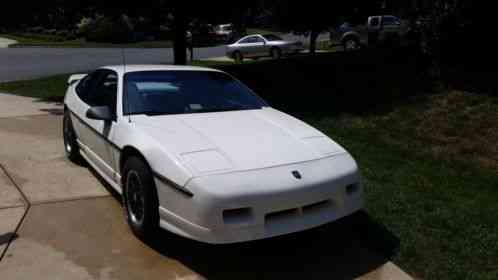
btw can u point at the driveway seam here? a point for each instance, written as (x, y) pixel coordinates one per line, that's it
(55, 201)
(12, 207)
(27, 205)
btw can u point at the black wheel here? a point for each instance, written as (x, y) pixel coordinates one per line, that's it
(276, 53)
(140, 198)
(70, 144)
(238, 57)
(351, 44)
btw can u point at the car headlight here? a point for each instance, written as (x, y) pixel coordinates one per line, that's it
(324, 145)
(207, 161)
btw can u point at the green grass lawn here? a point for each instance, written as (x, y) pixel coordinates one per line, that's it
(429, 161)
(47, 89)
(430, 170)
(52, 41)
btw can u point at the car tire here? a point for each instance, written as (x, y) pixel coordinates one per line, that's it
(238, 57)
(140, 199)
(71, 146)
(351, 44)
(276, 53)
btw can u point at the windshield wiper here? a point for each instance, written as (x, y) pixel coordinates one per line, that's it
(226, 109)
(151, 113)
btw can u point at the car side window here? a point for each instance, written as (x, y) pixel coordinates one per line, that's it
(105, 91)
(258, 40)
(374, 22)
(247, 40)
(85, 86)
(390, 21)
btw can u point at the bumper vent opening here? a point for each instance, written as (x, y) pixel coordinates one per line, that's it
(279, 215)
(352, 189)
(319, 206)
(237, 216)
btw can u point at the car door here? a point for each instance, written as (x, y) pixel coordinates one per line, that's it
(249, 46)
(374, 27)
(80, 106)
(260, 46)
(96, 134)
(390, 28)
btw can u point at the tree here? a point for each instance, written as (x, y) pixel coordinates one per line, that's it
(180, 37)
(316, 16)
(204, 11)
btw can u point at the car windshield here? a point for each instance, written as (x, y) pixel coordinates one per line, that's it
(186, 92)
(271, 37)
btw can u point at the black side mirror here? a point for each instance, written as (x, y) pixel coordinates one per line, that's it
(101, 113)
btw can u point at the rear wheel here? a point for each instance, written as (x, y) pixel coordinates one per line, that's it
(351, 44)
(276, 53)
(140, 199)
(71, 147)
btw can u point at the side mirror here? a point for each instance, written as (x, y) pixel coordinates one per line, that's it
(101, 113)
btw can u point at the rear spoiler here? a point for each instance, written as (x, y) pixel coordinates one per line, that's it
(75, 78)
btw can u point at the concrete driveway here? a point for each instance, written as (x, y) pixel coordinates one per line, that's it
(59, 221)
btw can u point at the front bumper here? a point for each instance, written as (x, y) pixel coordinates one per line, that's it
(251, 205)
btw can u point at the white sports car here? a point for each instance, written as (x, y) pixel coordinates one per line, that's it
(196, 152)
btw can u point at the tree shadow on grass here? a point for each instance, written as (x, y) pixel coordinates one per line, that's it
(345, 249)
(363, 82)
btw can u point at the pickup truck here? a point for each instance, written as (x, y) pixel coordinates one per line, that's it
(379, 30)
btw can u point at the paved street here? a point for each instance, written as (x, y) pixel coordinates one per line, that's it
(59, 221)
(29, 63)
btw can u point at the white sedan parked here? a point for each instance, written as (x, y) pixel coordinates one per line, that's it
(196, 152)
(256, 46)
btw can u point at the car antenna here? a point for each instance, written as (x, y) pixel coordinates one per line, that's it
(124, 90)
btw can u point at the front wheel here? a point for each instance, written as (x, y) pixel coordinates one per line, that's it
(238, 57)
(71, 147)
(140, 199)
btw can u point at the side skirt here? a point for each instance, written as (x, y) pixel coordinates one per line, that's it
(111, 182)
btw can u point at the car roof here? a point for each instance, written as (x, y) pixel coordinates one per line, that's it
(123, 69)
(252, 35)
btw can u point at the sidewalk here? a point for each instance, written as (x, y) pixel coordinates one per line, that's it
(5, 43)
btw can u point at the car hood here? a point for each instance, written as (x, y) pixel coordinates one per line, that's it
(237, 140)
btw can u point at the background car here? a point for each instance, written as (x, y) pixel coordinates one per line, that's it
(379, 30)
(194, 151)
(224, 32)
(203, 34)
(257, 46)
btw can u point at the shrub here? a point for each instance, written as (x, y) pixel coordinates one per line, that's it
(85, 25)
(36, 29)
(106, 30)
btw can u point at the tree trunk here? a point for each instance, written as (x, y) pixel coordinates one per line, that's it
(313, 37)
(180, 40)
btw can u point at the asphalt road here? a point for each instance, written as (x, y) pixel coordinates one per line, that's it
(29, 63)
